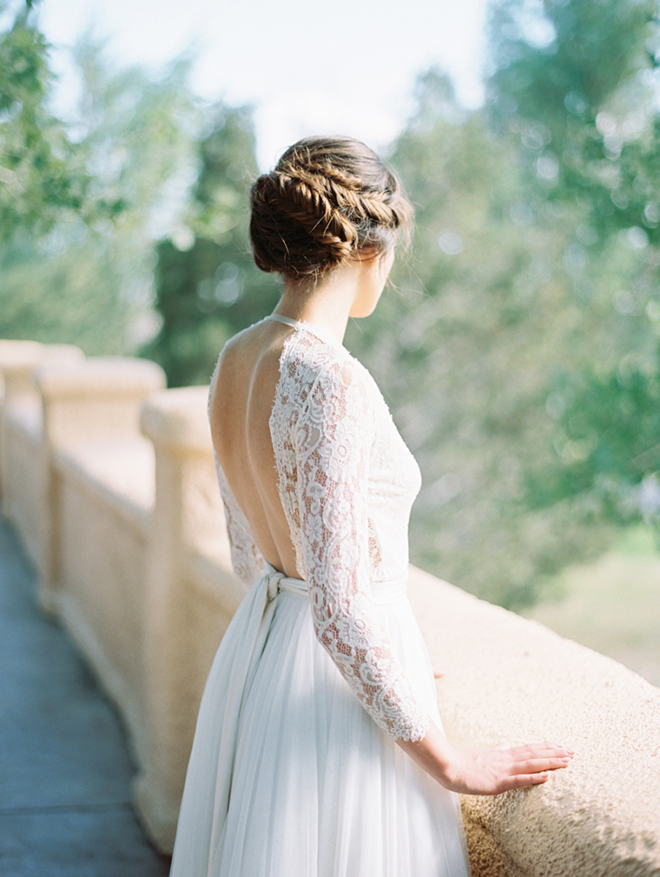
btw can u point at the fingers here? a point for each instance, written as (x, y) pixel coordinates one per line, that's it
(539, 751)
(540, 747)
(492, 771)
(537, 765)
(536, 760)
(517, 781)
(522, 781)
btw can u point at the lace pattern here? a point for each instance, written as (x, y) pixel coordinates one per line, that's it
(323, 426)
(246, 559)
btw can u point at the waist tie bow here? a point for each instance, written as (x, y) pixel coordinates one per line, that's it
(278, 581)
(273, 580)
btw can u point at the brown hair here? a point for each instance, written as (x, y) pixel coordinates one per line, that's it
(328, 199)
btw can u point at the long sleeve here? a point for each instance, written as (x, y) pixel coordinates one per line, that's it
(246, 558)
(331, 438)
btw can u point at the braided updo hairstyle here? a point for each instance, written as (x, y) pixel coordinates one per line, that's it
(328, 199)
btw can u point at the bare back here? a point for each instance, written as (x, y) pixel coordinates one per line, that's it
(242, 398)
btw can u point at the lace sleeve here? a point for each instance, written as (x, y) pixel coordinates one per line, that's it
(332, 439)
(246, 558)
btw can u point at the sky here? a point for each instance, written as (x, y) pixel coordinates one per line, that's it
(307, 67)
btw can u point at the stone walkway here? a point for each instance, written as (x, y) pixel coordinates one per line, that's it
(65, 771)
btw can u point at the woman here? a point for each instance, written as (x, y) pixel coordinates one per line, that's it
(319, 750)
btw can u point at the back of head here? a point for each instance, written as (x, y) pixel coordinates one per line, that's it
(328, 199)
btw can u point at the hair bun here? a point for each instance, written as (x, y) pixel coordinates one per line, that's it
(295, 228)
(327, 199)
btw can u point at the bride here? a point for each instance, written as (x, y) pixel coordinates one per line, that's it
(319, 750)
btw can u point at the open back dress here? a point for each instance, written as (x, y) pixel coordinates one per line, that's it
(294, 770)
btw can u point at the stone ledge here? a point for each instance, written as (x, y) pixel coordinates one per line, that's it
(31, 353)
(106, 376)
(98, 400)
(510, 681)
(26, 416)
(19, 361)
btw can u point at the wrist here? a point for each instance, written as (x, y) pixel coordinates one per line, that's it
(434, 754)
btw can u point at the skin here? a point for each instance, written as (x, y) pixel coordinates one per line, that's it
(241, 403)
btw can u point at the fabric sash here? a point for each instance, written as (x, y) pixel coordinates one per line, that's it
(382, 593)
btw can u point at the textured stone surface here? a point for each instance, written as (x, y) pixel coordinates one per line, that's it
(512, 681)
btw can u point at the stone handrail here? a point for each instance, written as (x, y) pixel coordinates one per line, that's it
(109, 480)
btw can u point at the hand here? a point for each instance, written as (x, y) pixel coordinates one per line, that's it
(484, 771)
(493, 771)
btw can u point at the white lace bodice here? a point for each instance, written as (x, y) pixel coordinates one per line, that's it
(347, 482)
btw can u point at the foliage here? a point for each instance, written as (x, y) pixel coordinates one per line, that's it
(40, 172)
(70, 296)
(128, 148)
(581, 110)
(481, 314)
(521, 359)
(607, 443)
(207, 285)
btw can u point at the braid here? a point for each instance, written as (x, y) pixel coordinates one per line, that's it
(326, 200)
(317, 237)
(348, 192)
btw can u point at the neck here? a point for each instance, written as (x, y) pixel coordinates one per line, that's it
(326, 303)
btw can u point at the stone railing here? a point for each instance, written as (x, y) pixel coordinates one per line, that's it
(108, 478)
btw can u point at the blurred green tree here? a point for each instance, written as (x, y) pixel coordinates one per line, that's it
(461, 348)
(207, 285)
(78, 269)
(514, 314)
(41, 174)
(575, 92)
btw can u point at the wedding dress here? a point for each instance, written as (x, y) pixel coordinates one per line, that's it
(294, 770)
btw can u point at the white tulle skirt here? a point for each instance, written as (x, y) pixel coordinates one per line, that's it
(290, 777)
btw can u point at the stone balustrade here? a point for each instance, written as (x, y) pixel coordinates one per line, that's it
(24, 478)
(109, 480)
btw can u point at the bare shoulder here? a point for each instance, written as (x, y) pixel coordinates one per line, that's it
(243, 350)
(246, 362)
(235, 350)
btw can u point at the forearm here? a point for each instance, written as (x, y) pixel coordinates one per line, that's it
(433, 753)
(484, 771)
